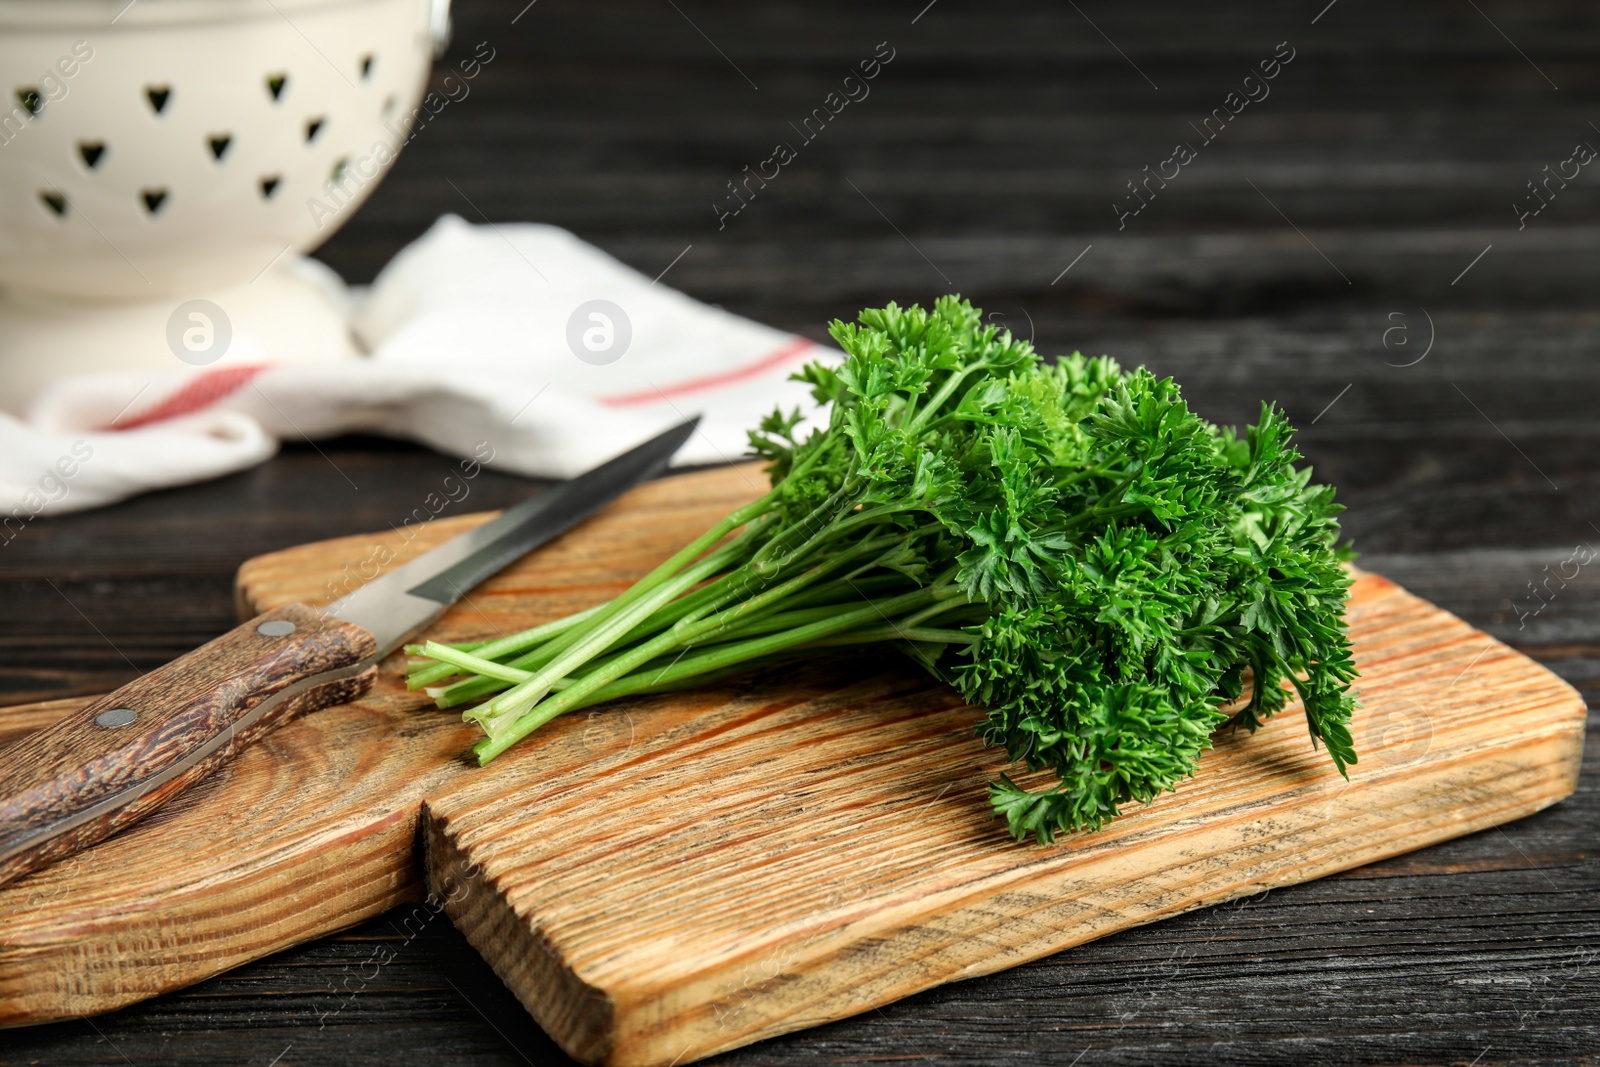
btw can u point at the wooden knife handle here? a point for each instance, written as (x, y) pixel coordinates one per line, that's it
(126, 754)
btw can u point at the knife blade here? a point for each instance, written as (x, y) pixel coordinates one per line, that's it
(124, 755)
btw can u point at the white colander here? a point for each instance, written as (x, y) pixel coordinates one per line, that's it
(160, 151)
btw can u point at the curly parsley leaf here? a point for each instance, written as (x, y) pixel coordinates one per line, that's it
(1067, 544)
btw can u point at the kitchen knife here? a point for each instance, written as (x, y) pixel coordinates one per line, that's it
(124, 755)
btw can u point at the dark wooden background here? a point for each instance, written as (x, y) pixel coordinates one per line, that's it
(986, 158)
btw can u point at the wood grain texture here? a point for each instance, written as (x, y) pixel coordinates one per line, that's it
(315, 827)
(798, 849)
(663, 878)
(77, 782)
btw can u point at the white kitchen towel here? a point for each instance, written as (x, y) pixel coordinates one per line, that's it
(516, 341)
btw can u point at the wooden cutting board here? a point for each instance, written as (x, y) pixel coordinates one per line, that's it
(665, 878)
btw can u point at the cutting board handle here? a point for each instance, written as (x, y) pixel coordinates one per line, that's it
(124, 755)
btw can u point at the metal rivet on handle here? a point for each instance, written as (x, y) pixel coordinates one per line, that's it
(112, 718)
(276, 628)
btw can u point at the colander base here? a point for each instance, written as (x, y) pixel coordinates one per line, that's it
(292, 313)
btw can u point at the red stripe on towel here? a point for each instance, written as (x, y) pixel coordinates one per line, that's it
(196, 394)
(712, 381)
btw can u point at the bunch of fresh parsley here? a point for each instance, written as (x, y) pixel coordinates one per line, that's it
(1066, 543)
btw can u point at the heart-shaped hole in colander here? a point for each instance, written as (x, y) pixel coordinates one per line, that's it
(92, 152)
(153, 199)
(219, 143)
(54, 201)
(158, 95)
(31, 99)
(314, 127)
(269, 185)
(275, 84)
(366, 65)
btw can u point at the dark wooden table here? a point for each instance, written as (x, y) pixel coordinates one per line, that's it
(1347, 246)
